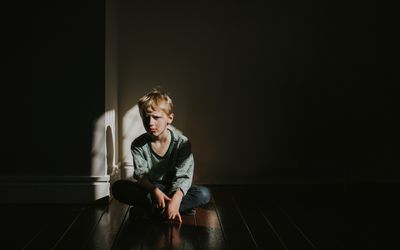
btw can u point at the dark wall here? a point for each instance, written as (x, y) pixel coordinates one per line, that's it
(55, 86)
(267, 91)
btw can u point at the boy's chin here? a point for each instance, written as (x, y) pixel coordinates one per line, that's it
(154, 134)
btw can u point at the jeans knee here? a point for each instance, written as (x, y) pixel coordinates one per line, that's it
(204, 195)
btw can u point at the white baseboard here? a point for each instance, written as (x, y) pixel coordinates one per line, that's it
(54, 189)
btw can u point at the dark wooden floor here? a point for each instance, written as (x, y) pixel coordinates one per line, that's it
(239, 217)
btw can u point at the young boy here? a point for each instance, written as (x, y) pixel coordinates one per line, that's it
(163, 165)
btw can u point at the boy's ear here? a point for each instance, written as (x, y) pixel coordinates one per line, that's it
(171, 118)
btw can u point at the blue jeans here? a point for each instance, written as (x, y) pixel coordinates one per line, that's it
(130, 193)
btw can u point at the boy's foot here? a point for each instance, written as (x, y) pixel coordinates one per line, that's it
(190, 212)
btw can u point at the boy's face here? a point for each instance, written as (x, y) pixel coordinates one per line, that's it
(155, 121)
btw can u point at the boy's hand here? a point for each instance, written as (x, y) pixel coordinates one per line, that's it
(160, 198)
(172, 211)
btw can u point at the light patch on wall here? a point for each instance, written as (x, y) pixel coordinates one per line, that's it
(103, 145)
(132, 127)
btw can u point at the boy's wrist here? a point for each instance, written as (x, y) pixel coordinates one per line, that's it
(178, 195)
(153, 190)
(178, 191)
(175, 202)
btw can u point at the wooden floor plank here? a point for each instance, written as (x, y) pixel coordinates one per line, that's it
(235, 232)
(108, 227)
(366, 217)
(262, 231)
(130, 237)
(184, 236)
(372, 216)
(21, 224)
(312, 226)
(209, 231)
(317, 211)
(57, 221)
(158, 235)
(78, 234)
(141, 234)
(206, 216)
(288, 232)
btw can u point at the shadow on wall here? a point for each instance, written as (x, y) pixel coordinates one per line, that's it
(109, 149)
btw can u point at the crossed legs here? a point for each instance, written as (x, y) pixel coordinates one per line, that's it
(130, 193)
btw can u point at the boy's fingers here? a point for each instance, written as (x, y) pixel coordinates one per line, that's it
(179, 217)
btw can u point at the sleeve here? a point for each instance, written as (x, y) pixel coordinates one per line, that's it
(140, 164)
(183, 169)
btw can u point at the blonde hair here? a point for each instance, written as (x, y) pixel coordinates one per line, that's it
(155, 98)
